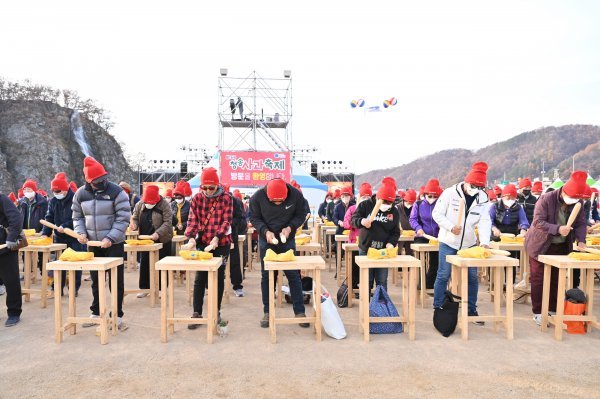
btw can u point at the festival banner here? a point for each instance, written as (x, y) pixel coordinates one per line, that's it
(248, 169)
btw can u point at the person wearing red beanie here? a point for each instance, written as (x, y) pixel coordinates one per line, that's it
(152, 216)
(365, 192)
(594, 216)
(492, 196)
(93, 171)
(526, 199)
(457, 231)
(341, 208)
(180, 207)
(381, 232)
(276, 212)
(537, 189)
(133, 197)
(549, 235)
(322, 212)
(210, 220)
(337, 197)
(33, 207)
(168, 195)
(73, 186)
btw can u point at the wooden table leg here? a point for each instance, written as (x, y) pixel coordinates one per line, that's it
(210, 308)
(279, 301)
(560, 304)
(509, 303)
(72, 303)
(152, 255)
(27, 273)
(363, 309)
(102, 305)
(272, 329)
(58, 331)
(44, 288)
(419, 255)
(412, 293)
(464, 272)
(114, 299)
(163, 306)
(329, 250)
(317, 302)
(338, 263)
(171, 298)
(497, 294)
(545, 297)
(405, 291)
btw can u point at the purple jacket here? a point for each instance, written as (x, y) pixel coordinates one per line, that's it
(539, 236)
(420, 218)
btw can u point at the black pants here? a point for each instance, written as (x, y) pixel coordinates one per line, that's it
(355, 271)
(115, 251)
(235, 267)
(9, 274)
(144, 281)
(201, 280)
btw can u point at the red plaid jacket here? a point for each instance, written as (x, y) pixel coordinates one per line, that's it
(219, 222)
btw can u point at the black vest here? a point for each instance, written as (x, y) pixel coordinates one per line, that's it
(528, 205)
(513, 221)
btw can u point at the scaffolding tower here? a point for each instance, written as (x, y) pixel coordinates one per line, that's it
(255, 113)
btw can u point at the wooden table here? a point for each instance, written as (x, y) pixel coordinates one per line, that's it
(312, 248)
(349, 248)
(421, 251)
(523, 257)
(460, 266)
(178, 241)
(563, 263)
(100, 265)
(323, 239)
(339, 239)
(167, 267)
(152, 250)
(408, 264)
(251, 231)
(317, 231)
(30, 253)
(312, 264)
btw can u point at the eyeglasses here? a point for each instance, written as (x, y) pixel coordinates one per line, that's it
(209, 188)
(431, 196)
(178, 197)
(477, 187)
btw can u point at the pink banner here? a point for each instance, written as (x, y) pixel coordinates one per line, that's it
(248, 169)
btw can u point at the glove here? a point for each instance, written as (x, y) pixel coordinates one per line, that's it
(12, 245)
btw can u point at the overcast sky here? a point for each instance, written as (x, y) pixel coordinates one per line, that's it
(465, 73)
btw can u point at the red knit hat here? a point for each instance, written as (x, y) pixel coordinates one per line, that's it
(277, 190)
(390, 181)
(12, 197)
(510, 190)
(497, 190)
(587, 194)
(30, 184)
(169, 193)
(295, 184)
(337, 194)
(524, 182)
(410, 196)
(537, 187)
(179, 188)
(92, 169)
(365, 189)
(387, 192)
(575, 186)
(151, 195)
(491, 195)
(20, 193)
(125, 186)
(477, 175)
(73, 186)
(433, 187)
(209, 176)
(237, 194)
(60, 182)
(346, 190)
(187, 189)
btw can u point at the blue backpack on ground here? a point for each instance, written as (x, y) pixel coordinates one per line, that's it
(381, 306)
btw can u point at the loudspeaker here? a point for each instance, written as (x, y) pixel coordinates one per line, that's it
(314, 169)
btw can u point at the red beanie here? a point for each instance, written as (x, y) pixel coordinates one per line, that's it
(387, 192)
(12, 197)
(20, 193)
(237, 194)
(575, 186)
(346, 190)
(497, 190)
(59, 182)
(587, 194)
(410, 196)
(365, 189)
(169, 193)
(491, 195)
(477, 175)
(295, 184)
(92, 169)
(187, 189)
(337, 194)
(510, 190)
(125, 186)
(73, 186)
(433, 187)
(537, 187)
(180, 188)
(390, 181)
(151, 195)
(30, 184)
(277, 190)
(525, 182)
(209, 176)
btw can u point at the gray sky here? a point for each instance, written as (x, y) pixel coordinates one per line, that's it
(465, 73)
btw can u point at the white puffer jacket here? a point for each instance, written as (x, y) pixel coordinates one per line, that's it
(445, 214)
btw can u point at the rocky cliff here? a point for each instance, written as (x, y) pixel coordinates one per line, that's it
(38, 139)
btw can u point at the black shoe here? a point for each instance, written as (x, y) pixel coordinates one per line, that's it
(303, 325)
(12, 320)
(196, 315)
(264, 322)
(478, 323)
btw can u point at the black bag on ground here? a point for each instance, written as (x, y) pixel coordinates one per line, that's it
(445, 317)
(342, 295)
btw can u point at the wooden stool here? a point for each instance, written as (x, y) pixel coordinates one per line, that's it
(563, 263)
(131, 261)
(421, 252)
(30, 253)
(461, 266)
(167, 267)
(349, 248)
(100, 265)
(409, 265)
(152, 250)
(312, 264)
(395, 271)
(339, 240)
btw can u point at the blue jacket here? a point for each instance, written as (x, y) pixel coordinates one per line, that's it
(60, 213)
(421, 218)
(33, 212)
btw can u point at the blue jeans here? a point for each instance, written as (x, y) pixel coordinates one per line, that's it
(293, 276)
(443, 274)
(378, 275)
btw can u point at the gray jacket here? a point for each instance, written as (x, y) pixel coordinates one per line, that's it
(101, 214)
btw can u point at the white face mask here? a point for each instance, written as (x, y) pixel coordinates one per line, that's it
(346, 200)
(59, 196)
(508, 203)
(568, 200)
(385, 207)
(188, 198)
(408, 205)
(148, 206)
(29, 194)
(179, 200)
(431, 200)
(470, 190)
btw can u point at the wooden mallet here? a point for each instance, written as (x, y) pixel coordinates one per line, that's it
(427, 236)
(573, 214)
(71, 233)
(375, 210)
(48, 224)
(461, 212)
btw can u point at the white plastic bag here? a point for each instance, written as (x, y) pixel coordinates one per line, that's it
(330, 318)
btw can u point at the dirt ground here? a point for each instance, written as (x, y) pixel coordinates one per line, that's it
(245, 364)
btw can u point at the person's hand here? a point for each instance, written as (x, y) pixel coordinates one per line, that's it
(389, 246)
(522, 233)
(12, 245)
(366, 223)
(179, 226)
(485, 246)
(214, 242)
(456, 230)
(581, 246)
(286, 232)
(61, 229)
(341, 223)
(82, 239)
(191, 244)
(270, 236)
(564, 230)
(133, 226)
(106, 243)
(496, 231)
(420, 233)
(154, 237)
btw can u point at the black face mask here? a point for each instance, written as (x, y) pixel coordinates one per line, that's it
(526, 192)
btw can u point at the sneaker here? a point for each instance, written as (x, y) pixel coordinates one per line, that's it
(196, 315)
(239, 293)
(2, 289)
(142, 295)
(12, 320)
(303, 325)
(477, 323)
(264, 322)
(90, 324)
(121, 325)
(538, 319)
